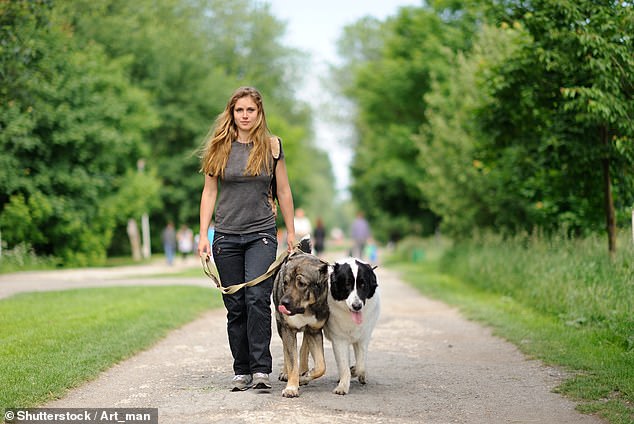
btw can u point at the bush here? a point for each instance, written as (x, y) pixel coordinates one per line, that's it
(21, 257)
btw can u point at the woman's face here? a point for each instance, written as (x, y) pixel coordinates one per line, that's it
(245, 113)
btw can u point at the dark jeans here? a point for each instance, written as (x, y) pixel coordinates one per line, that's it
(241, 258)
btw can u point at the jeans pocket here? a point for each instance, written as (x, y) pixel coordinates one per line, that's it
(268, 239)
(215, 246)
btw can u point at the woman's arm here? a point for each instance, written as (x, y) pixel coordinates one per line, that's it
(285, 199)
(207, 203)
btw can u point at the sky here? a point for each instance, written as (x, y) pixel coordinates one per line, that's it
(314, 27)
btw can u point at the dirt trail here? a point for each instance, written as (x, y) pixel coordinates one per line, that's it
(138, 275)
(426, 364)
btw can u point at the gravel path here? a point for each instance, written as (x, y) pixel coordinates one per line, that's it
(426, 364)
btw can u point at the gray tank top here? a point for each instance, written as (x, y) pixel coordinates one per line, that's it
(243, 204)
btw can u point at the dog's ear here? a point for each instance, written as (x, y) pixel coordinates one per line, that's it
(304, 245)
(296, 251)
(373, 283)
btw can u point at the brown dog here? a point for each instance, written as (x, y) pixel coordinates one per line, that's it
(300, 295)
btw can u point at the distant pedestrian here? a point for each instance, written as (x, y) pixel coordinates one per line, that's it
(303, 227)
(319, 237)
(168, 237)
(185, 238)
(360, 233)
(372, 251)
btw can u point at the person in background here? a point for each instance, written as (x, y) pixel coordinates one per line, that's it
(185, 239)
(211, 230)
(360, 233)
(319, 237)
(372, 251)
(238, 165)
(168, 237)
(210, 235)
(303, 227)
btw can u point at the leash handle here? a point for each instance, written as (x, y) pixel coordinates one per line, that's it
(234, 288)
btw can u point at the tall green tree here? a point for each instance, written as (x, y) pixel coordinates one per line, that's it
(72, 128)
(571, 91)
(464, 189)
(402, 56)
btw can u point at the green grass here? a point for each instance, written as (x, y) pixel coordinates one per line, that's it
(562, 301)
(53, 341)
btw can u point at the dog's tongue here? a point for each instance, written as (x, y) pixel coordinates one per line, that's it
(357, 317)
(283, 310)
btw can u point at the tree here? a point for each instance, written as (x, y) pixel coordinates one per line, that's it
(467, 191)
(582, 56)
(72, 125)
(89, 88)
(191, 56)
(402, 56)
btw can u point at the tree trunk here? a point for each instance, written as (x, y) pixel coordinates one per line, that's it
(607, 188)
(135, 239)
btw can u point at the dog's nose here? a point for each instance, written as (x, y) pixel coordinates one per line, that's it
(357, 305)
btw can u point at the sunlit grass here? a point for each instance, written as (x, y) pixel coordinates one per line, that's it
(565, 302)
(52, 341)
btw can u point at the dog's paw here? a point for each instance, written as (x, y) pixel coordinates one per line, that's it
(283, 376)
(305, 378)
(358, 374)
(290, 392)
(340, 390)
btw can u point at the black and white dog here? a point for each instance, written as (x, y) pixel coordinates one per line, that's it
(354, 304)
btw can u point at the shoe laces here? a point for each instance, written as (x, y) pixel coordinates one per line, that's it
(241, 377)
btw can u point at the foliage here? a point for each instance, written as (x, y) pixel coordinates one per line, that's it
(568, 278)
(580, 115)
(528, 126)
(90, 90)
(461, 187)
(401, 57)
(69, 130)
(191, 59)
(21, 257)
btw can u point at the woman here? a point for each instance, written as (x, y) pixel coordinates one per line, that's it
(237, 158)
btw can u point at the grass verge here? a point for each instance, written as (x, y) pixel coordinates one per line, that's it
(53, 341)
(500, 284)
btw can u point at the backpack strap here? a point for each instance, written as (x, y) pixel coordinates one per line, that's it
(276, 148)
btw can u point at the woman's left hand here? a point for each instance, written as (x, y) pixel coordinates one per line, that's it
(290, 241)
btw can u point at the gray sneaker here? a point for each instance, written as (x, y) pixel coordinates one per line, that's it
(241, 382)
(261, 381)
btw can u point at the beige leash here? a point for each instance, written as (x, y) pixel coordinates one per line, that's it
(205, 259)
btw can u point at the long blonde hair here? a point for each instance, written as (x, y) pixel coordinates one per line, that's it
(217, 147)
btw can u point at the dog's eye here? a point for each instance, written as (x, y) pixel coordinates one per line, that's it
(300, 282)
